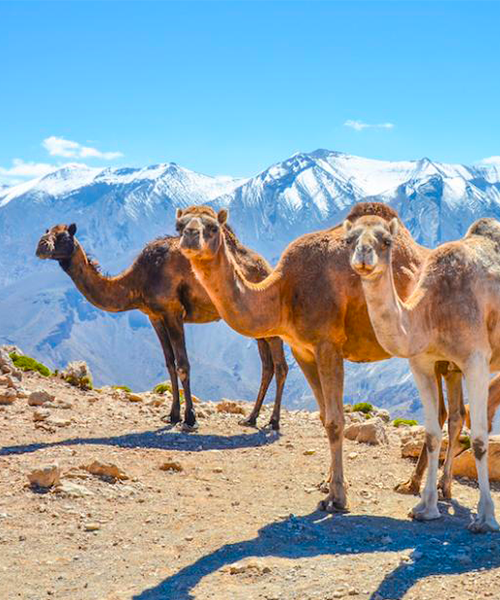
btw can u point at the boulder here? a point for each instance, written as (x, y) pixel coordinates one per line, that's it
(40, 397)
(383, 414)
(371, 431)
(8, 396)
(45, 477)
(465, 464)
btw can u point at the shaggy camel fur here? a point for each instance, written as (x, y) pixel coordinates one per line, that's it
(314, 302)
(452, 315)
(161, 284)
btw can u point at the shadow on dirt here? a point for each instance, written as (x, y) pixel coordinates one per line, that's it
(442, 547)
(164, 439)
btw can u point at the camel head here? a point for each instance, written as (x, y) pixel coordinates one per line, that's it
(201, 231)
(57, 243)
(370, 239)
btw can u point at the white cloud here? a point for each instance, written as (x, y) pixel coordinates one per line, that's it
(58, 146)
(20, 168)
(359, 125)
(492, 160)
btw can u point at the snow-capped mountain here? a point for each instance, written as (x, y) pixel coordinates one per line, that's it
(118, 210)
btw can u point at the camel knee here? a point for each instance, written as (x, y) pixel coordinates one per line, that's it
(334, 430)
(479, 447)
(183, 372)
(432, 442)
(281, 371)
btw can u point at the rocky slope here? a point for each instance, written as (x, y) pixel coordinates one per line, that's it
(137, 510)
(119, 210)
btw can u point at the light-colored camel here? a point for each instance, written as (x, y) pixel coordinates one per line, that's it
(453, 315)
(161, 284)
(314, 302)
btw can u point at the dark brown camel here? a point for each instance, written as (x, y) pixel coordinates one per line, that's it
(161, 284)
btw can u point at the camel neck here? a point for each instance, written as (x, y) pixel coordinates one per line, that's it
(389, 317)
(113, 294)
(251, 309)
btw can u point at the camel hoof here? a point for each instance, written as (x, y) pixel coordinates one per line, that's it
(272, 426)
(484, 525)
(408, 487)
(171, 419)
(249, 422)
(186, 428)
(424, 515)
(332, 506)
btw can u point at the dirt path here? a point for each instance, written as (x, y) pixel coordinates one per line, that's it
(239, 521)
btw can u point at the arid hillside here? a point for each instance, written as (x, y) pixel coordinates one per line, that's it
(135, 509)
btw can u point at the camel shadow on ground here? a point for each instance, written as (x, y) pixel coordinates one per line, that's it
(163, 438)
(438, 549)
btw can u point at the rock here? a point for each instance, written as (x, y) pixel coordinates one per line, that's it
(171, 465)
(77, 373)
(465, 464)
(106, 470)
(371, 431)
(40, 397)
(91, 526)
(8, 396)
(413, 438)
(41, 414)
(228, 406)
(309, 452)
(255, 565)
(45, 477)
(383, 414)
(73, 490)
(58, 422)
(134, 397)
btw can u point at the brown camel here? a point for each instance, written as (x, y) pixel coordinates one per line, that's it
(315, 303)
(161, 284)
(452, 315)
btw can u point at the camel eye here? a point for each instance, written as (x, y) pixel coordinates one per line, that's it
(350, 240)
(387, 242)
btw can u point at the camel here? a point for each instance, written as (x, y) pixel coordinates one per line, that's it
(451, 315)
(314, 302)
(161, 284)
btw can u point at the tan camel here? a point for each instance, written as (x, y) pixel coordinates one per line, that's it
(452, 315)
(315, 303)
(161, 284)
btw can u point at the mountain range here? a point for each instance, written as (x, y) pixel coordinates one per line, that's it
(118, 210)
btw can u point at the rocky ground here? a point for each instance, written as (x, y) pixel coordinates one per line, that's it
(225, 513)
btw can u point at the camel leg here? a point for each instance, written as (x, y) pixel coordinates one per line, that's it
(425, 379)
(456, 407)
(266, 377)
(476, 376)
(175, 329)
(280, 371)
(493, 399)
(168, 353)
(331, 371)
(412, 485)
(310, 370)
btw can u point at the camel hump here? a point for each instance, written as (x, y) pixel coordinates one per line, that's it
(377, 209)
(486, 227)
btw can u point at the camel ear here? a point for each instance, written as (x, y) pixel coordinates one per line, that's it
(178, 213)
(347, 226)
(394, 227)
(72, 229)
(222, 216)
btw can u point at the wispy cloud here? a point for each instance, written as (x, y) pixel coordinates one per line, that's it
(492, 160)
(58, 146)
(359, 125)
(24, 170)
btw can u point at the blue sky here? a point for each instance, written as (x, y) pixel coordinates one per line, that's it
(231, 87)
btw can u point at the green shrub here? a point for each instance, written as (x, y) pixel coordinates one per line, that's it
(125, 388)
(26, 363)
(364, 407)
(399, 422)
(166, 386)
(84, 383)
(465, 441)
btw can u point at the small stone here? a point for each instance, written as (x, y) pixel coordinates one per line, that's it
(41, 414)
(189, 538)
(171, 465)
(8, 396)
(58, 422)
(73, 490)
(352, 455)
(39, 398)
(309, 452)
(134, 397)
(218, 470)
(228, 406)
(91, 527)
(45, 477)
(106, 470)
